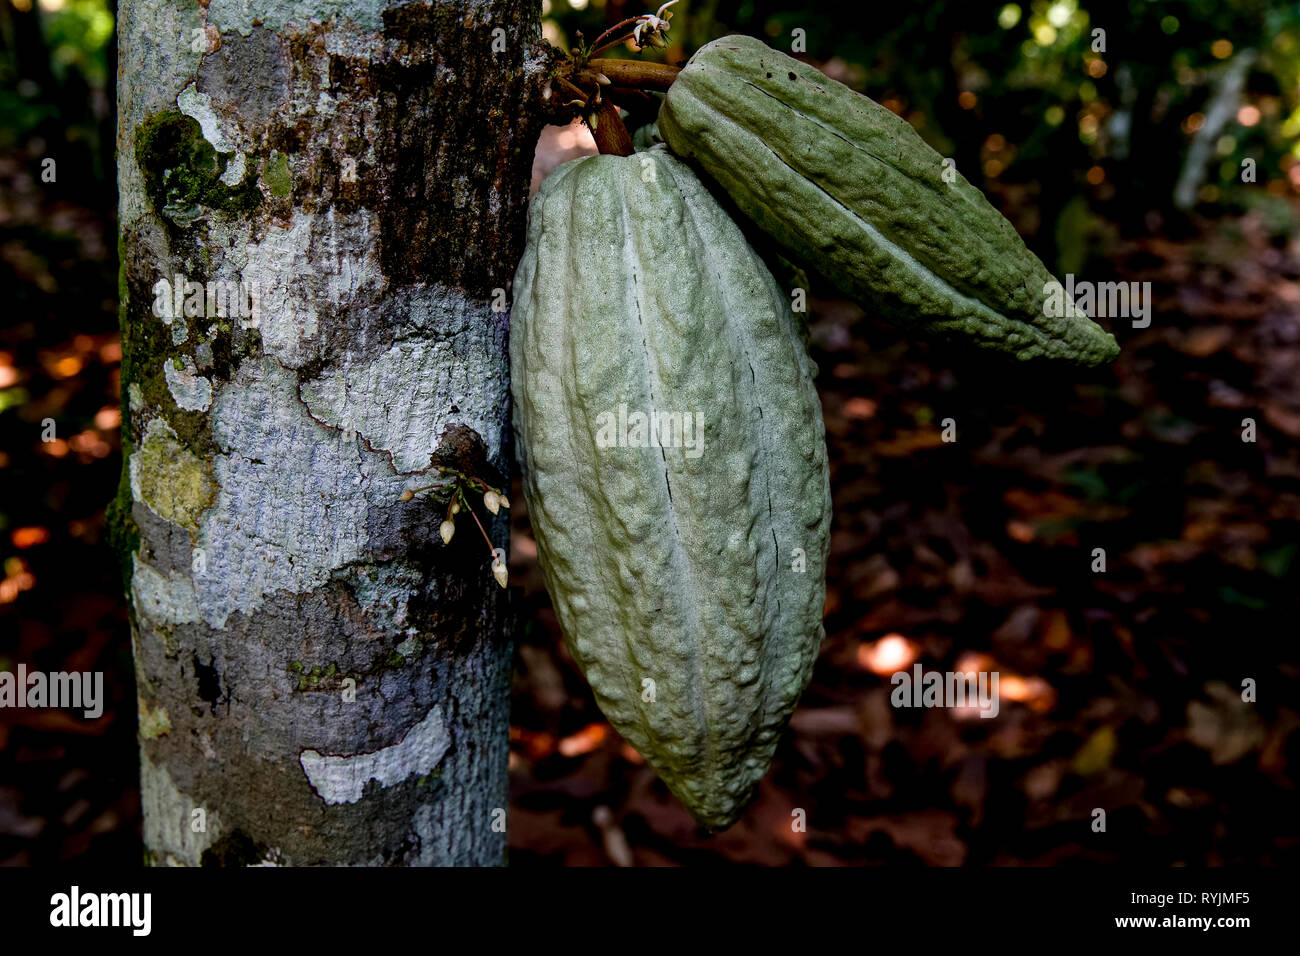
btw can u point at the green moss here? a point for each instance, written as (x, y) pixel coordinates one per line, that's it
(428, 779)
(277, 174)
(316, 677)
(146, 348)
(330, 676)
(182, 170)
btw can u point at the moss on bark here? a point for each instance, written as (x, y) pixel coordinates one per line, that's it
(182, 170)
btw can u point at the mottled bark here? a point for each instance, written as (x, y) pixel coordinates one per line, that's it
(363, 167)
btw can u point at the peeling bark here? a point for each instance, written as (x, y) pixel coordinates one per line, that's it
(362, 169)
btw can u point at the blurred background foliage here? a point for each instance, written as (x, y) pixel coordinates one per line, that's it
(54, 79)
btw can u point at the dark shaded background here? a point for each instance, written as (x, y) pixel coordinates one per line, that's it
(1120, 690)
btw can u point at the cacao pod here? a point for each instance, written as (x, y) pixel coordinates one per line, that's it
(646, 136)
(852, 190)
(687, 570)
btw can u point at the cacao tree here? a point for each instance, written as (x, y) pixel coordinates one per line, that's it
(321, 206)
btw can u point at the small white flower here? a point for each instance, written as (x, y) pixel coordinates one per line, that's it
(655, 24)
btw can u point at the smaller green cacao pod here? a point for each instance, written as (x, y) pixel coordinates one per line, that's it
(688, 576)
(852, 190)
(646, 136)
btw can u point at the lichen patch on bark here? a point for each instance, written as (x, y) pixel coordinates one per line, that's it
(245, 16)
(170, 831)
(198, 106)
(343, 779)
(154, 723)
(294, 495)
(164, 475)
(165, 599)
(190, 390)
(403, 397)
(332, 269)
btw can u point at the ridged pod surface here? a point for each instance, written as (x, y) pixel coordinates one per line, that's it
(675, 571)
(851, 189)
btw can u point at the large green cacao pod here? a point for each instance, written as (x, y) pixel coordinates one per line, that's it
(852, 190)
(689, 580)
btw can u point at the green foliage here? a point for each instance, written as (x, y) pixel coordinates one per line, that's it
(77, 34)
(40, 87)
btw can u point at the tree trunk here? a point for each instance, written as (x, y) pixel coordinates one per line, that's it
(320, 679)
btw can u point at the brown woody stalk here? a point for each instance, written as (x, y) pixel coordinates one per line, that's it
(636, 73)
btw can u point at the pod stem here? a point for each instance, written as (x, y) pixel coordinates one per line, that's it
(639, 74)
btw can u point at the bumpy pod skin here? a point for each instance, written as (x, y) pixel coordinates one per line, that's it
(666, 565)
(852, 189)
